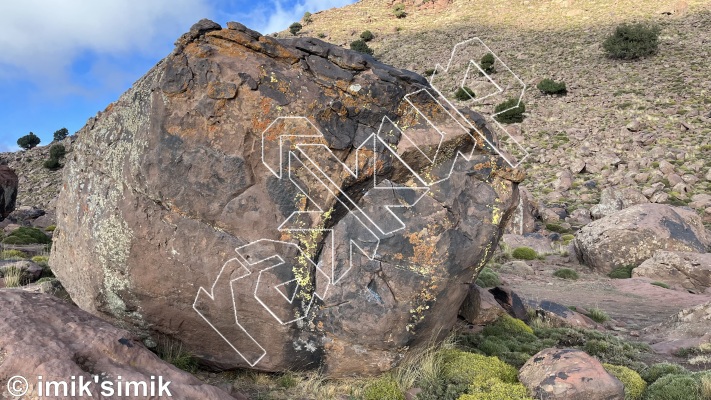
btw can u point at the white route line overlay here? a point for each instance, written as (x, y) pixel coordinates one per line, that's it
(299, 155)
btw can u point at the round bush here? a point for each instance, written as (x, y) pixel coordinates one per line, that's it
(361, 47)
(464, 94)
(494, 389)
(506, 325)
(367, 36)
(674, 387)
(25, 235)
(634, 384)
(488, 278)
(566, 273)
(524, 253)
(510, 111)
(621, 272)
(631, 41)
(487, 63)
(57, 151)
(549, 86)
(469, 368)
(384, 388)
(52, 163)
(656, 371)
(295, 28)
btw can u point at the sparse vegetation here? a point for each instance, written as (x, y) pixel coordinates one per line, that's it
(549, 86)
(383, 388)
(428, 72)
(510, 111)
(556, 227)
(656, 371)
(361, 47)
(661, 284)
(26, 235)
(623, 272)
(171, 351)
(14, 277)
(307, 18)
(631, 41)
(399, 11)
(28, 141)
(634, 384)
(524, 253)
(13, 255)
(295, 28)
(674, 387)
(367, 36)
(566, 273)
(464, 94)
(488, 278)
(598, 315)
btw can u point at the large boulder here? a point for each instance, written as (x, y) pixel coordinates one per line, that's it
(8, 191)
(43, 336)
(631, 236)
(683, 270)
(569, 374)
(613, 200)
(200, 205)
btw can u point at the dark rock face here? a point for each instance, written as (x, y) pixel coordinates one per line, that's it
(203, 206)
(8, 191)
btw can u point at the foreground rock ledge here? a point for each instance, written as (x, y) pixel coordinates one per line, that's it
(44, 336)
(168, 181)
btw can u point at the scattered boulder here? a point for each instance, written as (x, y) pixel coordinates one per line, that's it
(613, 200)
(8, 190)
(689, 271)
(510, 301)
(632, 235)
(688, 328)
(194, 257)
(516, 267)
(524, 217)
(536, 241)
(560, 315)
(44, 336)
(569, 374)
(480, 307)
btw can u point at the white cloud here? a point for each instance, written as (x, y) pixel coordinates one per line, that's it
(40, 39)
(277, 15)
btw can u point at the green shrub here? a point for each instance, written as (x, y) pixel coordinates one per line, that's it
(634, 384)
(28, 141)
(428, 72)
(549, 86)
(631, 41)
(510, 111)
(674, 387)
(384, 388)
(40, 259)
(623, 272)
(367, 36)
(566, 273)
(61, 134)
(506, 325)
(494, 389)
(322, 35)
(13, 255)
(464, 94)
(469, 368)
(567, 238)
(50, 228)
(656, 371)
(524, 253)
(661, 284)
(295, 28)
(598, 315)
(52, 163)
(57, 151)
(488, 278)
(307, 18)
(399, 11)
(25, 235)
(361, 47)
(487, 63)
(14, 277)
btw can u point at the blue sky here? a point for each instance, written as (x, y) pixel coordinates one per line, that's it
(63, 61)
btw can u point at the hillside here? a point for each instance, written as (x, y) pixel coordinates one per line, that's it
(642, 124)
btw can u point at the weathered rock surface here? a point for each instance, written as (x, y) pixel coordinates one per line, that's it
(480, 307)
(536, 241)
(683, 270)
(569, 374)
(524, 217)
(47, 337)
(688, 328)
(196, 161)
(8, 190)
(632, 235)
(613, 200)
(560, 315)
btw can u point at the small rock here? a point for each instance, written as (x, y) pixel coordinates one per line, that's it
(516, 267)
